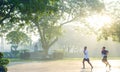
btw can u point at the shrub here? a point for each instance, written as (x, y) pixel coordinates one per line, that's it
(58, 55)
(25, 55)
(3, 63)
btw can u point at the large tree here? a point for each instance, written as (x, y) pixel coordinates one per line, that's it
(16, 14)
(45, 16)
(49, 25)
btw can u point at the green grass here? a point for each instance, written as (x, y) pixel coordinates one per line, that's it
(64, 59)
(17, 60)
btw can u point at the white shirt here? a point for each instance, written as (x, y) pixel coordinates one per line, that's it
(86, 54)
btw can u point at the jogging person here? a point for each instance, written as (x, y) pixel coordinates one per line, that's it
(86, 58)
(104, 53)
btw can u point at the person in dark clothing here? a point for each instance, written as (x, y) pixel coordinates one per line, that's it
(104, 53)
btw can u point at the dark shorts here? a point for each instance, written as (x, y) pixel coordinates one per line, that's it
(86, 59)
(104, 58)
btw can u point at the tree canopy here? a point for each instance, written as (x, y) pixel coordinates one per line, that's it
(20, 9)
(17, 37)
(112, 31)
(44, 16)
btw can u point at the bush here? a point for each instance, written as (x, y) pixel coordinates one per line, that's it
(25, 55)
(3, 63)
(58, 55)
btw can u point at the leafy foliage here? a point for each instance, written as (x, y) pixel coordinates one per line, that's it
(112, 31)
(14, 10)
(17, 37)
(3, 63)
(43, 16)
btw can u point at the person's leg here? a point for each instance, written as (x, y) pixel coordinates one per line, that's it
(104, 60)
(89, 63)
(83, 63)
(108, 64)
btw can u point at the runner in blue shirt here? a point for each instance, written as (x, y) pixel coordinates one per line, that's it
(104, 53)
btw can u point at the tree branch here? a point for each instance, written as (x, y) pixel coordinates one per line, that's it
(52, 42)
(7, 15)
(68, 21)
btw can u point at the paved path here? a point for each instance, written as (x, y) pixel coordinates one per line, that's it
(63, 66)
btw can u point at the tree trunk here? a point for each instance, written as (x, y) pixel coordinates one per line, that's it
(46, 52)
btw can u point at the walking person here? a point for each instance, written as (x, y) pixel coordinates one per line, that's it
(104, 53)
(86, 58)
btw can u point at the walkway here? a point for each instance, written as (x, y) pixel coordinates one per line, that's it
(63, 66)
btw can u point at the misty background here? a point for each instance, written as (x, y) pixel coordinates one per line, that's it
(73, 41)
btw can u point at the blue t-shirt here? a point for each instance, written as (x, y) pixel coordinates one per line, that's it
(104, 52)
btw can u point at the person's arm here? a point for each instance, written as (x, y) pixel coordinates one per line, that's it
(107, 52)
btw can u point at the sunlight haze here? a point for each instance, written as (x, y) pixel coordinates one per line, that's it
(98, 21)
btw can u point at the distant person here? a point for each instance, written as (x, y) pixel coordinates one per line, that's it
(86, 58)
(104, 53)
